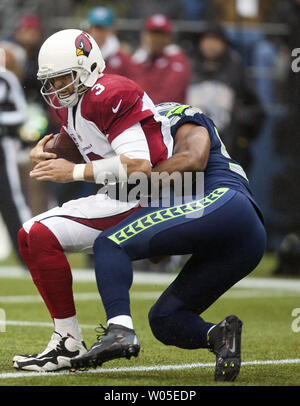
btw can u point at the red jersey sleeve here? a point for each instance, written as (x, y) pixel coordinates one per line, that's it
(114, 104)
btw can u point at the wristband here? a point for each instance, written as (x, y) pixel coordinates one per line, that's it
(78, 172)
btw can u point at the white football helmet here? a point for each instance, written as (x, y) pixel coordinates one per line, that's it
(69, 52)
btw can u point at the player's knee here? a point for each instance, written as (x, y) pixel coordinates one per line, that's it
(37, 234)
(156, 325)
(164, 317)
(41, 240)
(161, 326)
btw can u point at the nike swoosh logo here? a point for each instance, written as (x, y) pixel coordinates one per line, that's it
(232, 349)
(115, 109)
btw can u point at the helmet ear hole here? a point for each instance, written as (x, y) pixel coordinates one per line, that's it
(83, 77)
(93, 66)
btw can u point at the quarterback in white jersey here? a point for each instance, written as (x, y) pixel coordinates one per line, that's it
(118, 131)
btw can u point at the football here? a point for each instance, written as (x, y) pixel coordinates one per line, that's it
(63, 146)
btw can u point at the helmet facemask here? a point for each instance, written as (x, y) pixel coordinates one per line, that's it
(51, 95)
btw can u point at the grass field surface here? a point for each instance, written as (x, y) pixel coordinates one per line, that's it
(267, 306)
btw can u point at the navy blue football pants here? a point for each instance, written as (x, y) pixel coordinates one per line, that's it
(226, 238)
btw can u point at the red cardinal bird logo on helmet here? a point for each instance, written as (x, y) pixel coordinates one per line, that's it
(83, 44)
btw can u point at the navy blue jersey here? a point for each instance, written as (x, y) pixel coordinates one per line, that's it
(221, 169)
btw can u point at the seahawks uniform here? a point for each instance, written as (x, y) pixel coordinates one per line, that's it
(227, 240)
(221, 169)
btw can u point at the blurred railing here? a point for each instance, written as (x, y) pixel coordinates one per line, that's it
(180, 26)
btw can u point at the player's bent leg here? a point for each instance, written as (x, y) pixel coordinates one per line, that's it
(225, 254)
(51, 274)
(174, 322)
(204, 278)
(115, 296)
(43, 241)
(54, 272)
(49, 268)
(117, 340)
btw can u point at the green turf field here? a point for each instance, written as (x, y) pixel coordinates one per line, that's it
(271, 349)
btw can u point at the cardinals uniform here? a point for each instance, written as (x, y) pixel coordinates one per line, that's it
(113, 117)
(106, 116)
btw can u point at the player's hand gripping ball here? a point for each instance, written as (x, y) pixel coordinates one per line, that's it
(63, 146)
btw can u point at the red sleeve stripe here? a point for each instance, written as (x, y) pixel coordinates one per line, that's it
(154, 135)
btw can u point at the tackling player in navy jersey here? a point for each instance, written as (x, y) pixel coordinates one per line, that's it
(227, 241)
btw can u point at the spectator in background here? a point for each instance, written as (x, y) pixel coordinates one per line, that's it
(162, 67)
(12, 58)
(194, 10)
(29, 34)
(246, 28)
(13, 207)
(221, 91)
(101, 22)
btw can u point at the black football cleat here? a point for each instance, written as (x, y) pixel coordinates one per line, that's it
(225, 342)
(115, 341)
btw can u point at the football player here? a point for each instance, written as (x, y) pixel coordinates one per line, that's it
(107, 116)
(227, 241)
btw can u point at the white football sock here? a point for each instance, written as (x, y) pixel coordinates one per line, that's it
(68, 326)
(122, 320)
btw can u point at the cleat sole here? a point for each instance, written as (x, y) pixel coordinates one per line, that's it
(227, 370)
(86, 362)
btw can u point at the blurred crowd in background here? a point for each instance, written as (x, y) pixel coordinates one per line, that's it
(232, 59)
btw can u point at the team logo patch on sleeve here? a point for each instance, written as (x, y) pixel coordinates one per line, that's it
(83, 44)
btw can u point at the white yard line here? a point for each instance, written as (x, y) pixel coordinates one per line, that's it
(10, 375)
(157, 278)
(234, 293)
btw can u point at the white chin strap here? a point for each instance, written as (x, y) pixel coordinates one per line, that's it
(69, 101)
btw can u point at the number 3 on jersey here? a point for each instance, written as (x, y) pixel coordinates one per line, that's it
(99, 88)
